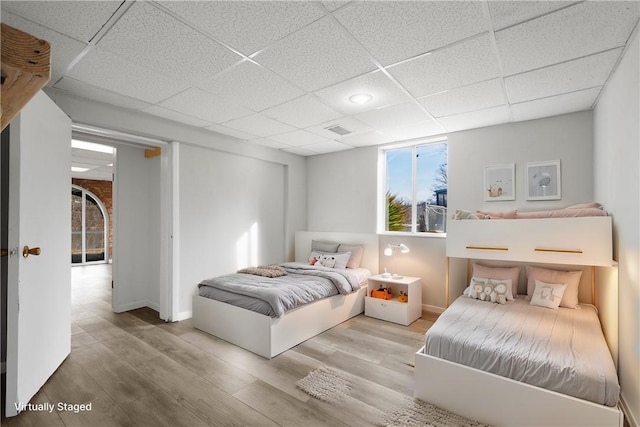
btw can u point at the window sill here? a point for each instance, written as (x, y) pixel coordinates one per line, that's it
(410, 234)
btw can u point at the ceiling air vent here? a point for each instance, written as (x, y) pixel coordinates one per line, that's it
(338, 129)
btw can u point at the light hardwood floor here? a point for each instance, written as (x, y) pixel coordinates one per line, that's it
(137, 370)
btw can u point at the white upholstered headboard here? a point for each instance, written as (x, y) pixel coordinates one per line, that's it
(369, 240)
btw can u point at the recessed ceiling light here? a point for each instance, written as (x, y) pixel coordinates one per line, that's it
(78, 169)
(83, 145)
(360, 98)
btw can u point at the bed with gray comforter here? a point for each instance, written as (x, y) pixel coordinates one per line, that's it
(273, 296)
(563, 350)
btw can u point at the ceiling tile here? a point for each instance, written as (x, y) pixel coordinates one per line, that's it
(402, 133)
(326, 147)
(348, 123)
(63, 49)
(476, 119)
(406, 114)
(366, 139)
(151, 38)
(247, 26)
(265, 142)
(333, 5)
(251, 85)
(567, 77)
(555, 105)
(377, 84)
(298, 138)
(302, 112)
(393, 31)
(103, 69)
(78, 19)
(508, 13)
(259, 125)
(231, 132)
(158, 111)
(299, 151)
(84, 90)
(477, 96)
(204, 106)
(575, 31)
(455, 66)
(316, 56)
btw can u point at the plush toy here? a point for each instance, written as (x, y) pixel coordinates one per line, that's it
(476, 288)
(313, 261)
(327, 261)
(499, 293)
(486, 292)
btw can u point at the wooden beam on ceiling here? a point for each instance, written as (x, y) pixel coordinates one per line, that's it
(26, 68)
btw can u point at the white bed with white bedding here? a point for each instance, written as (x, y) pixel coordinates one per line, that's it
(518, 363)
(269, 334)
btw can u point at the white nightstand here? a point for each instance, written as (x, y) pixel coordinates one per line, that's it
(392, 310)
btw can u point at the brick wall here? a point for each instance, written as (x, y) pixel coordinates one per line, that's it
(103, 191)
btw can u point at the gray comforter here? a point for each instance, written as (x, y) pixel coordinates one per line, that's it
(562, 350)
(302, 284)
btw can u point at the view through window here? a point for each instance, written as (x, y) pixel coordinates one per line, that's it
(416, 188)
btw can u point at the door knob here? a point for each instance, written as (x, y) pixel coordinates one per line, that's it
(26, 251)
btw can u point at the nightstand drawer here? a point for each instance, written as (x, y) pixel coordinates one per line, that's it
(389, 310)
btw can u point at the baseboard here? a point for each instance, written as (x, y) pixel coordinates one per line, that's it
(628, 417)
(183, 315)
(432, 309)
(136, 305)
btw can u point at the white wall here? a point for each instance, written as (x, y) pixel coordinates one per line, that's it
(617, 186)
(342, 191)
(136, 203)
(568, 138)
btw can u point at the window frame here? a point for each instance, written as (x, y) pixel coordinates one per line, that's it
(382, 190)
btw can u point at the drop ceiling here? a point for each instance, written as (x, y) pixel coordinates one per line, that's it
(279, 73)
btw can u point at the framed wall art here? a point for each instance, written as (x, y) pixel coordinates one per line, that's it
(544, 180)
(499, 183)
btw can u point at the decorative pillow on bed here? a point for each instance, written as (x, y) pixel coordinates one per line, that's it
(500, 273)
(548, 295)
(462, 214)
(324, 246)
(569, 278)
(329, 259)
(356, 254)
(489, 289)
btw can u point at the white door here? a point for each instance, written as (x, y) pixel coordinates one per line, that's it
(39, 286)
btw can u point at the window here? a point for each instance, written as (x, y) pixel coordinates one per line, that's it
(415, 188)
(89, 241)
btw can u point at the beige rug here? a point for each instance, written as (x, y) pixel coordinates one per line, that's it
(328, 384)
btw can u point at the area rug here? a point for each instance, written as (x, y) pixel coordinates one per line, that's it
(330, 384)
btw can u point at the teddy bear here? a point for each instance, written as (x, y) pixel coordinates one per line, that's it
(499, 293)
(327, 261)
(476, 288)
(486, 292)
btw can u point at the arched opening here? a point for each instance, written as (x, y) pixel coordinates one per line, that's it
(89, 228)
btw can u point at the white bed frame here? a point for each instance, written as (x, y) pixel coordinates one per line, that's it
(501, 401)
(269, 336)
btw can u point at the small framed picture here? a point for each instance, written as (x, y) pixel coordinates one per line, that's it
(544, 180)
(499, 183)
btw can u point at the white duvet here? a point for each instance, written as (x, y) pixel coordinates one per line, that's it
(562, 350)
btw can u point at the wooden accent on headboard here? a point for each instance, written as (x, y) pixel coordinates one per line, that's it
(26, 68)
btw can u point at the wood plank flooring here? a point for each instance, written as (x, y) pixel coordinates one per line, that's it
(137, 370)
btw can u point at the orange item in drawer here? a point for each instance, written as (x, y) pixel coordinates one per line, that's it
(382, 294)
